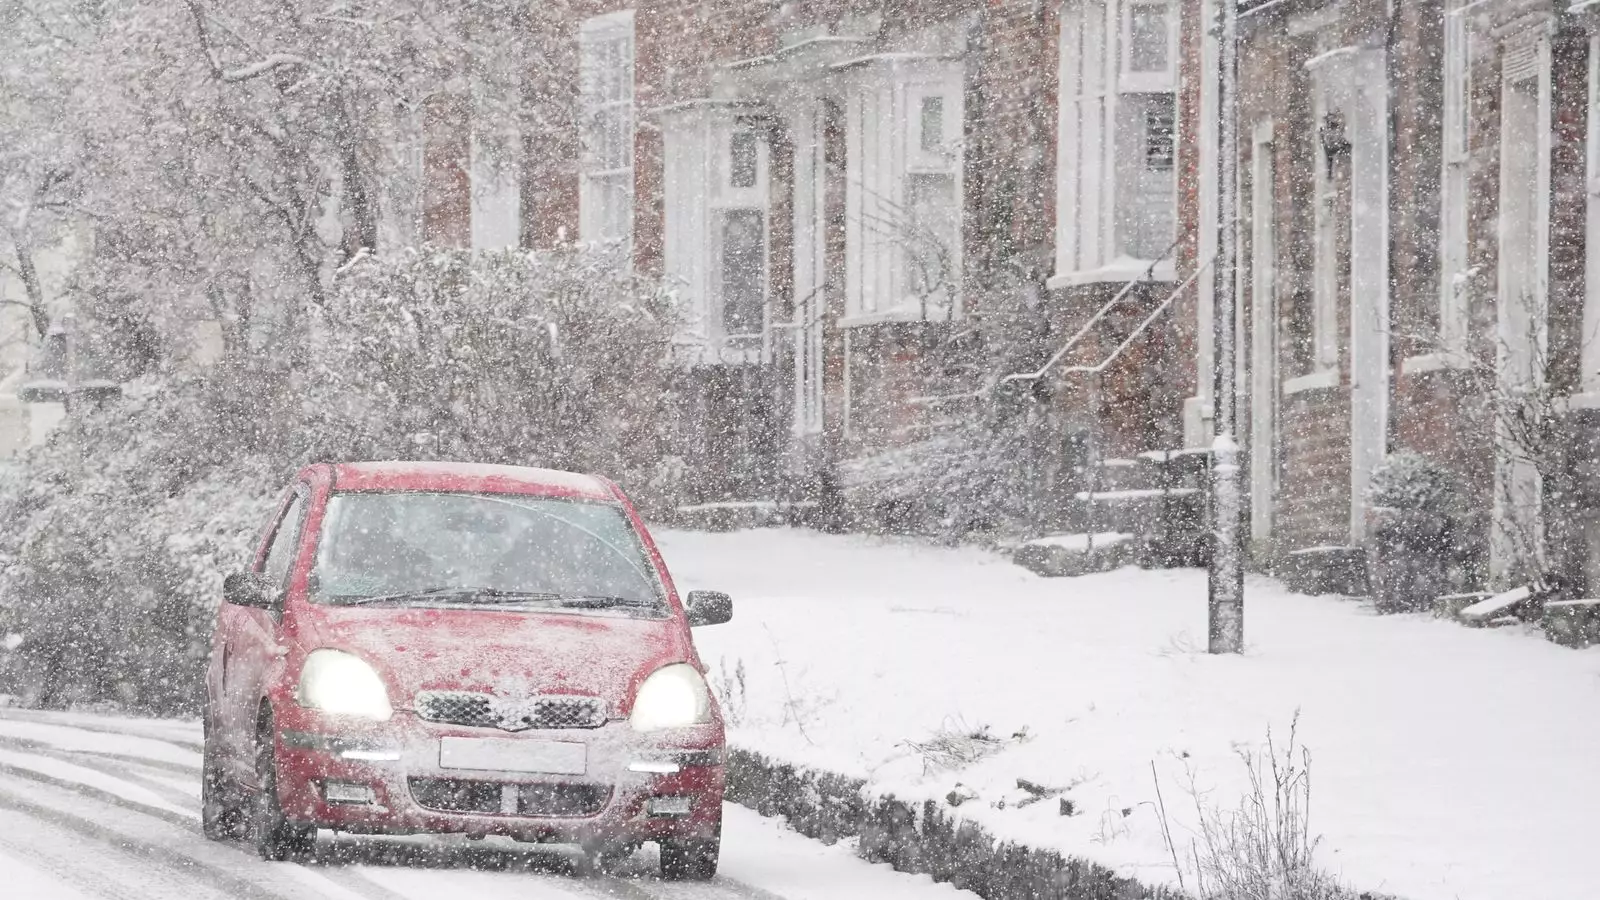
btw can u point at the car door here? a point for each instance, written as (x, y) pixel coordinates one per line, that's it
(251, 642)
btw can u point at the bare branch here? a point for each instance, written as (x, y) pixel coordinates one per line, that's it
(271, 63)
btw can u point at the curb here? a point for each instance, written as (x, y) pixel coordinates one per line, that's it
(920, 838)
(924, 839)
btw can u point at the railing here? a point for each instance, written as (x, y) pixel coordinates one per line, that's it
(1101, 366)
(1143, 277)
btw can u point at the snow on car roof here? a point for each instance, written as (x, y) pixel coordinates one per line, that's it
(468, 477)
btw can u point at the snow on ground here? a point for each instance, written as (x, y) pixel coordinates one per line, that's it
(82, 815)
(1447, 763)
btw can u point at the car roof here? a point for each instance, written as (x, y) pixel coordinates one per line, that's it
(476, 478)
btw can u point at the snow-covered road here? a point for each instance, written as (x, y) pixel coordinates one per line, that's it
(104, 807)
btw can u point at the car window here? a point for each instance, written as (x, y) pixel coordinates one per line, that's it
(280, 555)
(377, 544)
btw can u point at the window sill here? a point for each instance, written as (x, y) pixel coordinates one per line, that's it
(1316, 381)
(1120, 271)
(1433, 362)
(864, 320)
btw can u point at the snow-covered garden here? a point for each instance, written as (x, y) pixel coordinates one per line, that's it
(1445, 763)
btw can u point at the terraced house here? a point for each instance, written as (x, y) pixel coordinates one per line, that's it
(902, 223)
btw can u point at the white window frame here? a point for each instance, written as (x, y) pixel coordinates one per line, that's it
(1092, 75)
(594, 177)
(698, 192)
(884, 151)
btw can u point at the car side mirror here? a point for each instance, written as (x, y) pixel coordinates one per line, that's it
(709, 608)
(248, 589)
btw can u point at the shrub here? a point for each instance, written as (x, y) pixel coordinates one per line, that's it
(115, 534)
(1424, 538)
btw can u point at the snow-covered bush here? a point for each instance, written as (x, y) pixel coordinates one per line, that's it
(1424, 541)
(975, 469)
(114, 536)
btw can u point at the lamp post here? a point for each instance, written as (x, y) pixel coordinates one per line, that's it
(1226, 583)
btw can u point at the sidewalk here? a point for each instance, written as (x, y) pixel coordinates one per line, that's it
(1447, 763)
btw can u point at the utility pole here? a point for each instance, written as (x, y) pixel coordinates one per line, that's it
(1226, 595)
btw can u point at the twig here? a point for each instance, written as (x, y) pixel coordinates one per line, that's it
(1166, 828)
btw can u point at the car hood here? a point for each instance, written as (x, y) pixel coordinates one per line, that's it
(503, 652)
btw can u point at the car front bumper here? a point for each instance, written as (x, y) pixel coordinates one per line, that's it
(390, 779)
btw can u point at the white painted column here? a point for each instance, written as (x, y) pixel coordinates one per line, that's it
(1516, 545)
(1369, 279)
(1263, 334)
(1197, 410)
(1590, 354)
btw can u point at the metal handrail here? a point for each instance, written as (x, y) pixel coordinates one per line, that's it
(1106, 363)
(1147, 275)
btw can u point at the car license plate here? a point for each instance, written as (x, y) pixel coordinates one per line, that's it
(502, 755)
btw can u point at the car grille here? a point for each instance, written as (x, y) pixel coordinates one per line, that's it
(485, 797)
(482, 710)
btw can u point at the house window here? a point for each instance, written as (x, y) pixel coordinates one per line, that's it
(1149, 47)
(605, 71)
(903, 191)
(716, 194)
(1117, 182)
(932, 124)
(743, 158)
(744, 271)
(1454, 185)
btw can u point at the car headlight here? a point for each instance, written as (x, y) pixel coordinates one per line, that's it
(342, 683)
(673, 696)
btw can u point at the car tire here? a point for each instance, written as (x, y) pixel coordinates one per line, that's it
(691, 859)
(222, 817)
(276, 839)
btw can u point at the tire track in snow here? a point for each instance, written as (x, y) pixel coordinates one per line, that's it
(361, 876)
(90, 870)
(172, 840)
(162, 860)
(157, 729)
(344, 864)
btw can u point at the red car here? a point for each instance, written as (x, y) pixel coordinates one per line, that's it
(485, 650)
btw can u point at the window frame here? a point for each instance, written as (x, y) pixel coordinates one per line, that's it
(699, 193)
(601, 183)
(1093, 78)
(883, 134)
(291, 513)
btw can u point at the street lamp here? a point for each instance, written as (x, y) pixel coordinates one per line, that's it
(1226, 583)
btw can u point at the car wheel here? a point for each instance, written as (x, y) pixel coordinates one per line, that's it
(691, 859)
(274, 836)
(222, 818)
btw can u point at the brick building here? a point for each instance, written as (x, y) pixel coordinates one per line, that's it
(1418, 214)
(841, 189)
(834, 187)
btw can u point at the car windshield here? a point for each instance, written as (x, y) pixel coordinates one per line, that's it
(481, 549)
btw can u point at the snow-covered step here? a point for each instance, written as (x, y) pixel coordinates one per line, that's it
(1574, 623)
(1063, 555)
(732, 515)
(1504, 603)
(1325, 569)
(1148, 512)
